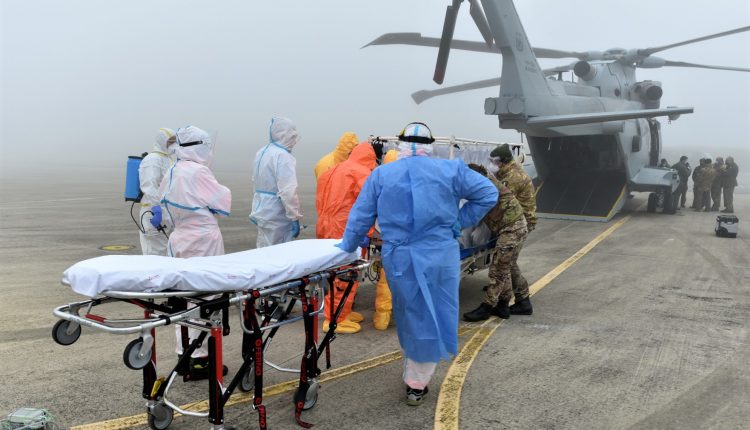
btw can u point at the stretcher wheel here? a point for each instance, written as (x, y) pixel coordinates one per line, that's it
(160, 416)
(130, 356)
(311, 398)
(60, 332)
(247, 383)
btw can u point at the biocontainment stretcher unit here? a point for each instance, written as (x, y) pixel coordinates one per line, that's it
(477, 243)
(263, 284)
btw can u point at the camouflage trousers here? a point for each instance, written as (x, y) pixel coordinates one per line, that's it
(505, 275)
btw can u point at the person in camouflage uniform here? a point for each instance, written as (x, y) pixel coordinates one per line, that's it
(729, 181)
(507, 221)
(706, 180)
(683, 170)
(719, 169)
(518, 181)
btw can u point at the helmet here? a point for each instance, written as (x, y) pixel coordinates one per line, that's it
(416, 132)
(503, 153)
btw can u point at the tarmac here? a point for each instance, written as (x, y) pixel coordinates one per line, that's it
(646, 329)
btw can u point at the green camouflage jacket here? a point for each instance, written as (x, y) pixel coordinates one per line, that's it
(519, 182)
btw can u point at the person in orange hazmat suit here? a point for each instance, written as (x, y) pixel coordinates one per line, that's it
(337, 191)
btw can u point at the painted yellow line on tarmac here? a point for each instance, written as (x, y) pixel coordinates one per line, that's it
(554, 273)
(449, 400)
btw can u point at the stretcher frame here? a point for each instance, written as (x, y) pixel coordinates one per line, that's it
(262, 312)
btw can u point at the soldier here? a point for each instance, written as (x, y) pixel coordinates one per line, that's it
(702, 181)
(683, 171)
(719, 168)
(507, 221)
(710, 175)
(510, 173)
(729, 181)
(697, 173)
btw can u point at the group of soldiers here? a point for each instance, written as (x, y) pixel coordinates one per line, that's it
(711, 181)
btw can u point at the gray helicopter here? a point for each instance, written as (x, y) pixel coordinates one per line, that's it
(593, 141)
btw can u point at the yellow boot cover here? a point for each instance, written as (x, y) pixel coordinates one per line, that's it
(355, 317)
(344, 327)
(381, 319)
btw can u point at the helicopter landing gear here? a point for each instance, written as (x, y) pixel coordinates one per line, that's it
(669, 206)
(663, 199)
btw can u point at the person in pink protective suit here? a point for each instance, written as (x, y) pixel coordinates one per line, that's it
(191, 199)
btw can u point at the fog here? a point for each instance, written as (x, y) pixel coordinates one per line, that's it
(86, 83)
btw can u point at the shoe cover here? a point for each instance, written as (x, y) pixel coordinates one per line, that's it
(356, 317)
(380, 320)
(344, 327)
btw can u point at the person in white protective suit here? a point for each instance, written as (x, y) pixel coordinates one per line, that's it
(151, 171)
(191, 199)
(275, 208)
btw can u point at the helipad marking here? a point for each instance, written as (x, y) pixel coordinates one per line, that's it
(116, 247)
(449, 400)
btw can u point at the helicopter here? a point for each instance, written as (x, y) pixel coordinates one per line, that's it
(593, 141)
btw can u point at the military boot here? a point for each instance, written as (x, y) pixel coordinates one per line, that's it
(501, 310)
(522, 307)
(481, 313)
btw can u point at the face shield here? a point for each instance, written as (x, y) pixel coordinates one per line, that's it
(415, 139)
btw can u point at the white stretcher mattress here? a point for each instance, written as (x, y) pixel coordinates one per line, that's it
(256, 268)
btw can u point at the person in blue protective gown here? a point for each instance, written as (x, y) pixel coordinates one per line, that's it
(276, 208)
(416, 202)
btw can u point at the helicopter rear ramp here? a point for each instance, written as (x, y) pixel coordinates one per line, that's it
(581, 195)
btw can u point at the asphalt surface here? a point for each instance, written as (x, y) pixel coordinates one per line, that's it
(648, 330)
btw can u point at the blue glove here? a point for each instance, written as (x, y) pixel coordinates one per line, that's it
(365, 243)
(456, 229)
(156, 218)
(295, 229)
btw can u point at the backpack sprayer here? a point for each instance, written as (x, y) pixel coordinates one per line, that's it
(133, 193)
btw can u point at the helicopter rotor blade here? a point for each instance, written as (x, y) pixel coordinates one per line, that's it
(556, 53)
(648, 51)
(475, 10)
(449, 25)
(703, 66)
(416, 39)
(423, 95)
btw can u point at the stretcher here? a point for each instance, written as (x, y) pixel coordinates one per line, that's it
(198, 293)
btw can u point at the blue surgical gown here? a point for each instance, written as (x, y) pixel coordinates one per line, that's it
(416, 202)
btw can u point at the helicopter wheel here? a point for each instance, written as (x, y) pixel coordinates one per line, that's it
(669, 204)
(651, 206)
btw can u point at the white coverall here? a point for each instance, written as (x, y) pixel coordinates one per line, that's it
(275, 202)
(151, 171)
(190, 198)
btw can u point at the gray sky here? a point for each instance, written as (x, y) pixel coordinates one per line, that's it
(89, 82)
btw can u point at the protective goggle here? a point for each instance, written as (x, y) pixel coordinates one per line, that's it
(416, 139)
(197, 142)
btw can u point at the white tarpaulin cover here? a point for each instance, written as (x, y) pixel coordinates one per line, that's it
(256, 268)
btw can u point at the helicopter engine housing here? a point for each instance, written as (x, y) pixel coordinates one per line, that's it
(584, 70)
(649, 92)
